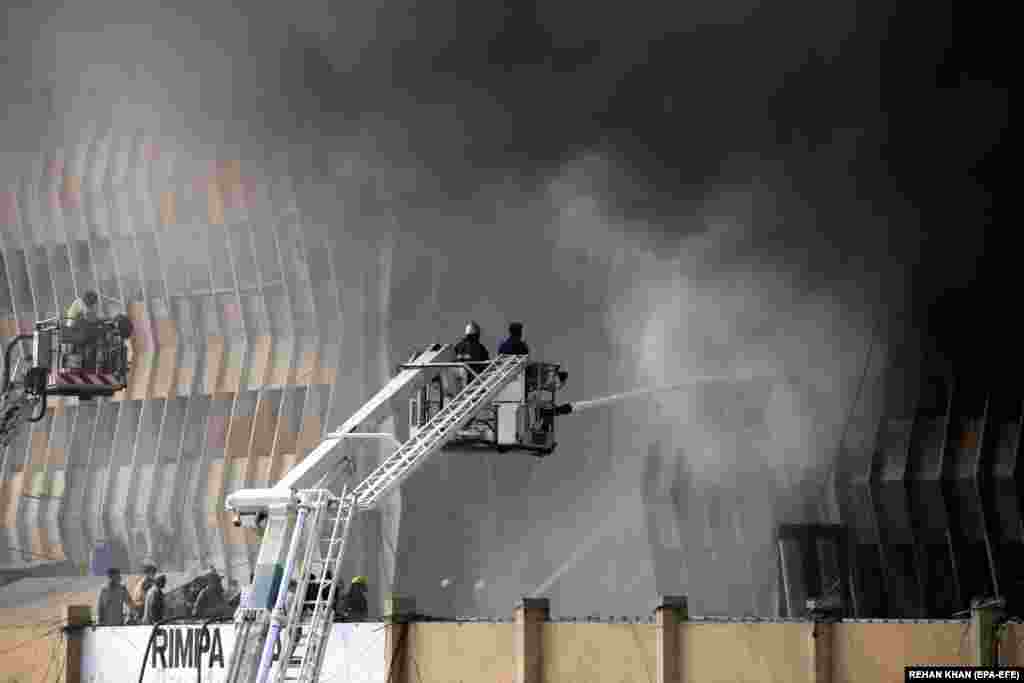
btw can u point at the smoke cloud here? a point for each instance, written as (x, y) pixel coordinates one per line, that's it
(668, 194)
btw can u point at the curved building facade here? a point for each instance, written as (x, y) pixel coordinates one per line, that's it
(242, 324)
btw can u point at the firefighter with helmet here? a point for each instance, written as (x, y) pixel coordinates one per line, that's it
(82, 331)
(354, 606)
(470, 351)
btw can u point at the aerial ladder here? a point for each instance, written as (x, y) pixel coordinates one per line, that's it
(511, 405)
(267, 623)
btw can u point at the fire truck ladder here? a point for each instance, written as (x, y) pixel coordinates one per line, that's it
(438, 430)
(303, 639)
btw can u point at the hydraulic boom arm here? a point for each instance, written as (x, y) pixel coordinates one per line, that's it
(264, 618)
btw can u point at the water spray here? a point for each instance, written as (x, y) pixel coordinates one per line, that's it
(580, 406)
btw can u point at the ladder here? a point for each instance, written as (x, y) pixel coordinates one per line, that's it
(304, 639)
(438, 430)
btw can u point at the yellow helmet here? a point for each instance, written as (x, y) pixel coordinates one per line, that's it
(359, 579)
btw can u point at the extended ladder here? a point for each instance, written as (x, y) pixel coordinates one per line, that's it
(304, 639)
(438, 430)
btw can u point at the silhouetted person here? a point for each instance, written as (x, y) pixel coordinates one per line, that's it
(325, 586)
(354, 606)
(339, 600)
(140, 590)
(234, 595)
(81, 330)
(311, 588)
(210, 601)
(154, 610)
(83, 309)
(514, 345)
(113, 600)
(470, 351)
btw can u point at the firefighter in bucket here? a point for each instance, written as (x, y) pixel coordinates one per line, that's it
(89, 342)
(82, 331)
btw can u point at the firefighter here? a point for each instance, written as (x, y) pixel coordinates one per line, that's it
(339, 601)
(514, 345)
(112, 601)
(469, 350)
(80, 319)
(154, 611)
(140, 589)
(84, 307)
(210, 601)
(354, 606)
(312, 588)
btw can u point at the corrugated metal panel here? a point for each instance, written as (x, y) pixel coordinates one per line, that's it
(147, 442)
(55, 487)
(77, 539)
(194, 473)
(216, 477)
(124, 480)
(189, 360)
(165, 338)
(167, 505)
(216, 346)
(235, 344)
(75, 225)
(101, 454)
(33, 485)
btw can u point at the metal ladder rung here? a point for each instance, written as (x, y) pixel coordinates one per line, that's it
(312, 616)
(437, 429)
(306, 651)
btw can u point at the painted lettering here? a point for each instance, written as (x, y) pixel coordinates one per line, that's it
(159, 647)
(217, 651)
(183, 648)
(183, 655)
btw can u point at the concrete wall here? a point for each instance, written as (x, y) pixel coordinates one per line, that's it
(462, 653)
(31, 654)
(740, 652)
(878, 652)
(733, 652)
(32, 648)
(619, 653)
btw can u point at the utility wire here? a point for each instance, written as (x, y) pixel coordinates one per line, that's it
(30, 640)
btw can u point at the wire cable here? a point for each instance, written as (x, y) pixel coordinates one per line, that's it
(30, 640)
(50, 662)
(152, 637)
(63, 661)
(204, 634)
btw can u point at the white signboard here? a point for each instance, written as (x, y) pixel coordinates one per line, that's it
(113, 654)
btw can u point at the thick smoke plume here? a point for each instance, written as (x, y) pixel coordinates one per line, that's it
(724, 298)
(732, 289)
(649, 194)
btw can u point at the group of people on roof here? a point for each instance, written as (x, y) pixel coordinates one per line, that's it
(144, 601)
(349, 605)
